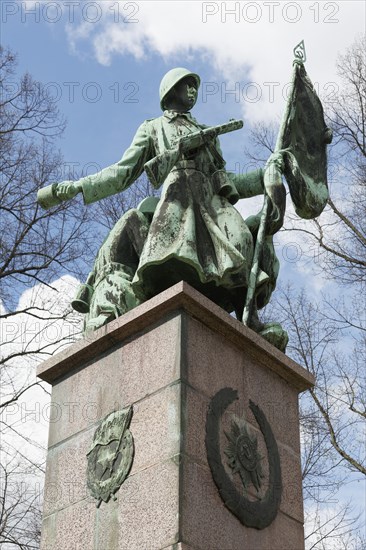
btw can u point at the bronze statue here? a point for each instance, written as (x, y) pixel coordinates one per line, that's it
(193, 232)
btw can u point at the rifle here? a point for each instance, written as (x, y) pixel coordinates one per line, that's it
(158, 168)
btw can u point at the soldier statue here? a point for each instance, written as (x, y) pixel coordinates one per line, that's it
(192, 232)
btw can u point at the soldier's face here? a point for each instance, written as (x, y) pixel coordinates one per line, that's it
(185, 93)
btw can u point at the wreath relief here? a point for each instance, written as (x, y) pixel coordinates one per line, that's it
(244, 459)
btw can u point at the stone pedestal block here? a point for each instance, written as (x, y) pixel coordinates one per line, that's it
(169, 358)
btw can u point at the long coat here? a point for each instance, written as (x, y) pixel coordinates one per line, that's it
(196, 233)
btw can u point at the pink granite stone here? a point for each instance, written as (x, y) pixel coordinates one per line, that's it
(144, 514)
(180, 546)
(156, 427)
(71, 528)
(168, 358)
(175, 299)
(65, 483)
(210, 358)
(149, 508)
(129, 372)
(207, 523)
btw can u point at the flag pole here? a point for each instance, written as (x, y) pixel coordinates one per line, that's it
(300, 58)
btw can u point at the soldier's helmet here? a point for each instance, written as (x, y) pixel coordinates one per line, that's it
(171, 78)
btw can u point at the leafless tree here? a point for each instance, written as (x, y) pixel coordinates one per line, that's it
(337, 238)
(36, 248)
(332, 414)
(328, 332)
(110, 209)
(20, 506)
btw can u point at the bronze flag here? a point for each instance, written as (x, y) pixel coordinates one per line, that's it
(306, 137)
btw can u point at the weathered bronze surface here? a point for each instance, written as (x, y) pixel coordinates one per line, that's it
(193, 232)
(301, 156)
(110, 456)
(305, 138)
(242, 453)
(244, 459)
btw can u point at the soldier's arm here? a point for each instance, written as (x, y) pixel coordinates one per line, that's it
(121, 175)
(253, 183)
(115, 178)
(249, 184)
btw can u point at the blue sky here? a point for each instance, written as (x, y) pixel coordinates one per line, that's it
(105, 74)
(104, 61)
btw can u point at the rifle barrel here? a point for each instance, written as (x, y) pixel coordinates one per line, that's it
(226, 128)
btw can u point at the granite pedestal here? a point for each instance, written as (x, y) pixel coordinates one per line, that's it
(168, 358)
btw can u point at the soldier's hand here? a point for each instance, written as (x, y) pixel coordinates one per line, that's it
(276, 160)
(54, 194)
(67, 190)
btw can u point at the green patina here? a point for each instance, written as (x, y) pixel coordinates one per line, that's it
(193, 232)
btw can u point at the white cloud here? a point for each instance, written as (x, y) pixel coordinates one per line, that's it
(255, 43)
(27, 418)
(335, 523)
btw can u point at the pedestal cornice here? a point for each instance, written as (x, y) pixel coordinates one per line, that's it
(179, 297)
